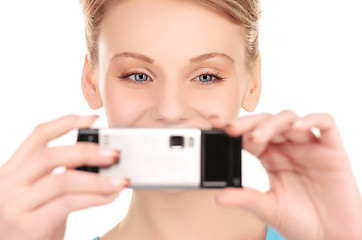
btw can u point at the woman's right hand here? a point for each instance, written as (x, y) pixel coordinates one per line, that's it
(34, 203)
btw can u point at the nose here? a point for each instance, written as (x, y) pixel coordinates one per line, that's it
(171, 106)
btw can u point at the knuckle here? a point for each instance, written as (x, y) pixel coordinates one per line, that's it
(100, 184)
(267, 115)
(44, 159)
(71, 117)
(88, 148)
(39, 129)
(61, 182)
(328, 116)
(67, 200)
(265, 118)
(288, 113)
(87, 151)
(44, 156)
(64, 205)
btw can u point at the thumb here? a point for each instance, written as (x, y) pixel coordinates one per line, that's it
(260, 204)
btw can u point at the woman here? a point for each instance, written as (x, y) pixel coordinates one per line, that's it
(166, 63)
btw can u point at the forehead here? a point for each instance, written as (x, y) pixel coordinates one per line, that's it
(166, 27)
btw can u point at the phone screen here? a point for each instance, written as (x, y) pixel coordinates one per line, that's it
(221, 159)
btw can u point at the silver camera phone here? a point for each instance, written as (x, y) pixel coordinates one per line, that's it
(170, 158)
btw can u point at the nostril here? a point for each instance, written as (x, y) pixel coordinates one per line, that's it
(171, 106)
(173, 122)
(171, 113)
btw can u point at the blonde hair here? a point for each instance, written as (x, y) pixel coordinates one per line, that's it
(246, 13)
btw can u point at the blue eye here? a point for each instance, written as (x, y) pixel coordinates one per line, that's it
(142, 78)
(205, 78)
(139, 77)
(209, 78)
(136, 77)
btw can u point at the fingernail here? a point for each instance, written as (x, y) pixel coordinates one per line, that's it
(316, 132)
(119, 181)
(297, 124)
(87, 121)
(256, 135)
(109, 152)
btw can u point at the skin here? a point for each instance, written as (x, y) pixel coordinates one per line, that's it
(298, 163)
(312, 190)
(28, 190)
(173, 96)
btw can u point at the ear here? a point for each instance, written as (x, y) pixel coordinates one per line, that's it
(89, 87)
(253, 89)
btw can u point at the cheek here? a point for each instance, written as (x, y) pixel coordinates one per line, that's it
(230, 103)
(122, 106)
(224, 101)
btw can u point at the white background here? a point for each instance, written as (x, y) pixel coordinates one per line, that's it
(311, 53)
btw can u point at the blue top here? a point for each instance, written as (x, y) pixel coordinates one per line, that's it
(270, 235)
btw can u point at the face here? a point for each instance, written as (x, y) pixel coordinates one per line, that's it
(166, 63)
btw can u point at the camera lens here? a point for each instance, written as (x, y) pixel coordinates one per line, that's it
(177, 141)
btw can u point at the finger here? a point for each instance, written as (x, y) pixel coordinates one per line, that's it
(268, 130)
(80, 154)
(300, 136)
(295, 136)
(289, 138)
(45, 132)
(59, 209)
(273, 127)
(278, 139)
(258, 203)
(245, 124)
(216, 122)
(329, 133)
(72, 181)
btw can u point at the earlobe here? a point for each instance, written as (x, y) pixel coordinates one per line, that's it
(89, 87)
(253, 91)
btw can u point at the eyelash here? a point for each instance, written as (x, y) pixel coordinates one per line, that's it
(216, 77)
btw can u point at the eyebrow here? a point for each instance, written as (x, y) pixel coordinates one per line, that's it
(206, 56)
(144, 58)
(133, 55)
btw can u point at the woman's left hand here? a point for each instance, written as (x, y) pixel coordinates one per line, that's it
(313, 194)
